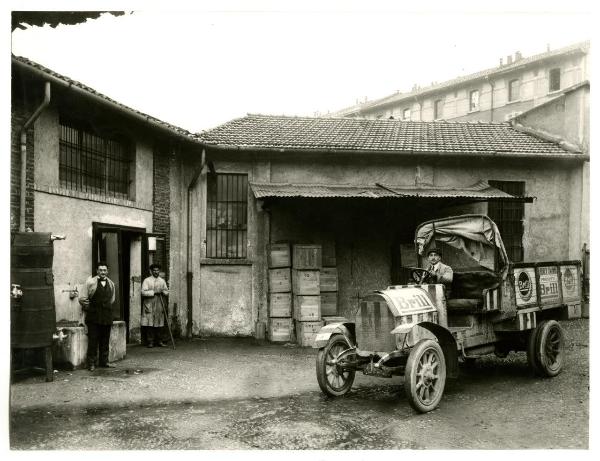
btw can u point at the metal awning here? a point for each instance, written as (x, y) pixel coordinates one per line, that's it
(480, 191)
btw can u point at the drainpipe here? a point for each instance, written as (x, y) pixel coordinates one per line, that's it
(189, 272)
(28, 123)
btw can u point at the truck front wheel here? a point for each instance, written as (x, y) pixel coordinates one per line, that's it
(425, 375)
(332, 378)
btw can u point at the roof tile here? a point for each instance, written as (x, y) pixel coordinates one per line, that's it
(392, 136)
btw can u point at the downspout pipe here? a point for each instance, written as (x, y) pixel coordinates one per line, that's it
(28, 123)
(189, 271)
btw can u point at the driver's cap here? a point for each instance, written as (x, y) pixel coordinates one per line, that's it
(434, 250)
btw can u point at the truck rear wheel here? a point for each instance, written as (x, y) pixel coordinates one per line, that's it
(333, 381)
(545, 351)
(425, 375)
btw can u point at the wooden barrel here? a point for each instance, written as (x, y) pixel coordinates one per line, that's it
(33, 317)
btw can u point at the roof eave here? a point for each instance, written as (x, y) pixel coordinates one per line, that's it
(146, 119)
(493, 72)
(467, 154)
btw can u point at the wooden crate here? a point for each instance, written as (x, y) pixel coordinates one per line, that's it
(280, 280)
(306, 332)
(328, 258)
(280, 330)
(307, 308)
(306, 282)
(280, 304)
(328, 279)
(278, 255)
(334, 319)
(306, 256)
(329, 304)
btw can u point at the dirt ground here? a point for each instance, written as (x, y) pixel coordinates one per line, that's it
(236, 394)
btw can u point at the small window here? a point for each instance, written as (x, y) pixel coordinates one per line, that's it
(474, 100)
(438, 109)
(513, 90)
(406, 114)
(227, 216)
(95, 163)
(554, 80)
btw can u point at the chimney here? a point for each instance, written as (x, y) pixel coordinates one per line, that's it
(509, 60)
(518, 56)
(500, 62)
(547, 46)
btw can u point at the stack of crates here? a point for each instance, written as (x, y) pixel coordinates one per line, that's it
(306, 288)
(281, 327)
(329, 282)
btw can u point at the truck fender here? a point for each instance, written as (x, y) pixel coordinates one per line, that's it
(322, 337)
(448, 345)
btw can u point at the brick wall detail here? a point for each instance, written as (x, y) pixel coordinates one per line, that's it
(161, 201)
(18, 118)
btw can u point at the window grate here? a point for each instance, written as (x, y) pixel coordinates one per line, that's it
(509, 217)
(227, 216)
(93, 164)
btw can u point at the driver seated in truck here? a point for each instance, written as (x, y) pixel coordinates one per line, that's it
(438, 271)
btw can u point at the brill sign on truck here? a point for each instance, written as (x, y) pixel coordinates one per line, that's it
(421, 330)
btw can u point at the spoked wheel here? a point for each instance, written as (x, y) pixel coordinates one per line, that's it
(425, 375)
(545, 351)
(332, 379)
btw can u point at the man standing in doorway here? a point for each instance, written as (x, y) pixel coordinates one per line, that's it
(97, 303)
(153, 316)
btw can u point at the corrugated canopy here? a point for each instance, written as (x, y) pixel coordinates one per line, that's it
(478, 191)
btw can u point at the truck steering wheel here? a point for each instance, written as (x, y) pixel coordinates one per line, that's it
(419, 275)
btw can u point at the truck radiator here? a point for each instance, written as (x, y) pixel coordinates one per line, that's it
(374, 322)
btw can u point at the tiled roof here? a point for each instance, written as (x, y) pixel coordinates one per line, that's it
(480, 190)
(267, 132)
(583, 47)
(31, 65)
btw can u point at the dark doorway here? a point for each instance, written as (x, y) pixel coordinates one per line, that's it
(117, 247)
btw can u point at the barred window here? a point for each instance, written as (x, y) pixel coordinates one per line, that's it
(227, 215)
(91, 162)
(509, 217)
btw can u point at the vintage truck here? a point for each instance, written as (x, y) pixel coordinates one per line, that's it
(421, 330)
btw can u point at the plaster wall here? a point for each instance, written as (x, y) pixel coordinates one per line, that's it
(47, 151)
(549, 221)
(533, 90)
(215, 281)
(72, 263)
(71, 213)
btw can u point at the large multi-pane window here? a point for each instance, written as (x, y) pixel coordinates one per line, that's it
(93, 163)
(509, 217)
(227, 216)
